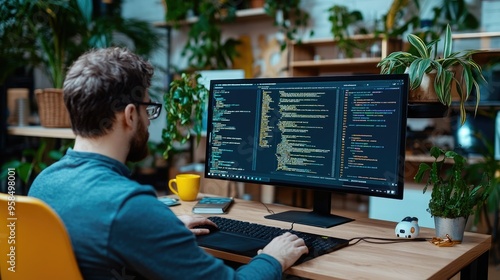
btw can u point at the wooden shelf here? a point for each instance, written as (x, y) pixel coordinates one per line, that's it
(359, 65)
(429, 159)
(475, 35)
(320, 56)
(487, 56)
(241, 16)
(40, 131)
(484, 41)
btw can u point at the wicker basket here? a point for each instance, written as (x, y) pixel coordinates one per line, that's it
(51, 108)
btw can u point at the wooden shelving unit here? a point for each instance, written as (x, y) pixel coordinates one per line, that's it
(241, 16)
(321, 56)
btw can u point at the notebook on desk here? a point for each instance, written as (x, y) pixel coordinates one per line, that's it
(245, 239)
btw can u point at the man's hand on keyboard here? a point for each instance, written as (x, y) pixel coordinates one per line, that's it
(198, 225)
(286, 248)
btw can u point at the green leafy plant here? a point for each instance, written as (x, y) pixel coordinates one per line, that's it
(452, 194)
(456, 14)
(205, 47)
(177, 10)
(475, 173)
(33, 161)
(288, 17)
(54, 33)
(404, 15)
(341, 19)
(184, 104)
(453, 69)
(401, 15)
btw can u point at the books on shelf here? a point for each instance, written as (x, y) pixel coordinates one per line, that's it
(213, 205)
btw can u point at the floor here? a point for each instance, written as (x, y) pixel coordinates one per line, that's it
(494, 270)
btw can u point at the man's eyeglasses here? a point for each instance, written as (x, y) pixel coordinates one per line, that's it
(153, 109)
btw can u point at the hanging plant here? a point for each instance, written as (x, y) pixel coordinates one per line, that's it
(184, 104)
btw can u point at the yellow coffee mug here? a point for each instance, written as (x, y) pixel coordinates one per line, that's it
(187, 186)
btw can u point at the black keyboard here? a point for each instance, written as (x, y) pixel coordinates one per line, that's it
(246, 238)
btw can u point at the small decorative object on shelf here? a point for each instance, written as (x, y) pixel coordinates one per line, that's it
(51, 108)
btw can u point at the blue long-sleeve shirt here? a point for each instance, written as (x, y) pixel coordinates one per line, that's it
(119, 229)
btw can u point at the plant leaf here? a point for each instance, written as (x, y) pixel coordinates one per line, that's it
(86, 8)
(447, 42)
(419, 45)
(417, 71)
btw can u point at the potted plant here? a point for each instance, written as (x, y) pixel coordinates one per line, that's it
(56, 32)
(184, 104)
(442, 72)
(205, 48)
(341, 20)
(453, 197)
(288, 17)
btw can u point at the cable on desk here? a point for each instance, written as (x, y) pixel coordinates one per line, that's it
(272, 212)
(380, 240)
(374, 240)
(267, 208)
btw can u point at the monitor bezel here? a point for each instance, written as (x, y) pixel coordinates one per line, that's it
(403, 107)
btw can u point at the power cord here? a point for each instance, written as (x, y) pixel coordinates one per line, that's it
(380, 240)
(373, 240)
(267, 208)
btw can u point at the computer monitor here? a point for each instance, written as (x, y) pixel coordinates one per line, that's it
(497, 137)
(340, 133)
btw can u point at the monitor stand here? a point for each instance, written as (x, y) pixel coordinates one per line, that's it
(320, 216)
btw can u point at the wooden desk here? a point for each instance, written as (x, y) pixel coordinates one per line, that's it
(408, 260)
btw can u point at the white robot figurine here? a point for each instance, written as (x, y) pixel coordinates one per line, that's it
(407, 228)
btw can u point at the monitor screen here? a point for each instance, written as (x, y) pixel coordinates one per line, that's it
(497, 137)
(338, 133)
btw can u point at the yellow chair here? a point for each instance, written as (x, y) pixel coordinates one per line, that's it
(34, 241)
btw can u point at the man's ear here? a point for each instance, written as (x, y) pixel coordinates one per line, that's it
(130, 116)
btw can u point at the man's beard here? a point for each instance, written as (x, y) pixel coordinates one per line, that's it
(139, 144)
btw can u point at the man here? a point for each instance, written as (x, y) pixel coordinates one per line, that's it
(118, 228)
